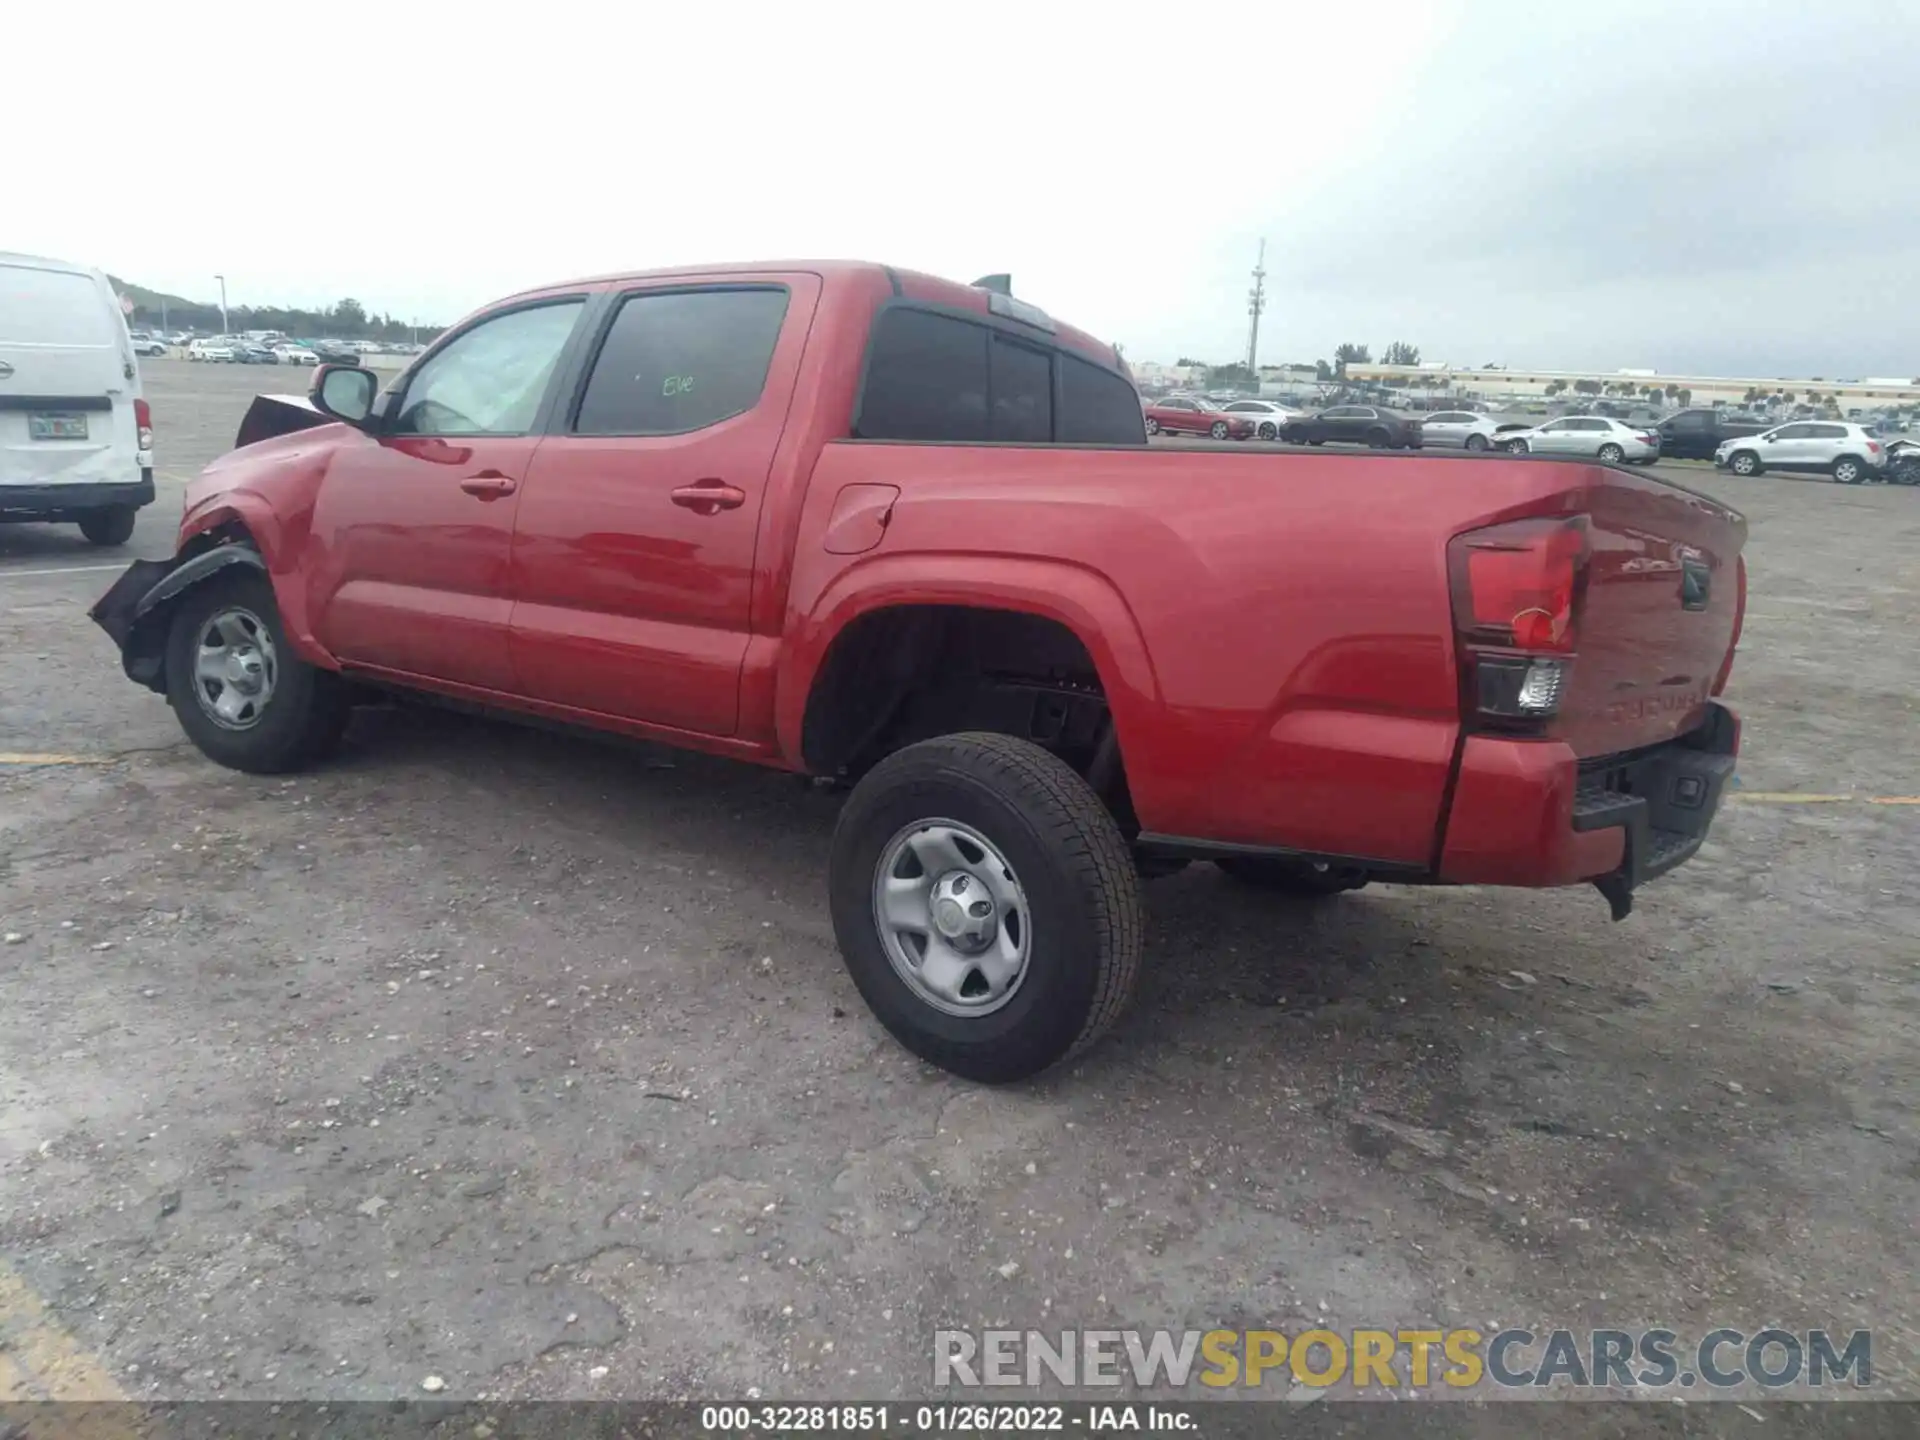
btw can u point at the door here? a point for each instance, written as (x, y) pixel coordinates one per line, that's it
(1826, 443)
(1185, 416)
(633, 552)
(1787, 448)
(1449, 427)
(413, 527)
(1554, 438)
(1690, 435)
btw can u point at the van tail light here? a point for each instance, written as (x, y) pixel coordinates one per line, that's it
(1518, 590)
(143, 418)
(1739, 619)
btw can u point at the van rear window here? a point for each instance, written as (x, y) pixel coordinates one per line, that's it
(52, 307)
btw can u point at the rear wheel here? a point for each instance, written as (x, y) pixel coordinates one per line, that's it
(1744, 462)
(1218, 430)
(986, 905)
(112, 526)
(1153, 426)
(1268, 431)
(1848, 471)
(1611, 454)
(1476, 442)
(1292, 877)
(1378, 439)
(241, 694)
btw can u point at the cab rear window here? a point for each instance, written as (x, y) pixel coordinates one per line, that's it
(935, 377)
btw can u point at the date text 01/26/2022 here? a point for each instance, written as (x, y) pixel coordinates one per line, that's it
(1090, 1419)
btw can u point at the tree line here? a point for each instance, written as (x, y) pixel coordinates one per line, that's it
(345, 320)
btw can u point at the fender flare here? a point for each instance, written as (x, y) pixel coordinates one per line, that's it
(185, 576)
(1083, 600)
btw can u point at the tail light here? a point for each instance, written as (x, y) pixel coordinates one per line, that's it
(1739, 619)
(1518, 590)
(1873, 447)
(143, 419)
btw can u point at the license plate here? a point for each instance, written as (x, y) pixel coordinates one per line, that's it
(52, 425)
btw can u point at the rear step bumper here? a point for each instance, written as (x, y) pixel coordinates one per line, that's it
(69, 502)
(1531, 813)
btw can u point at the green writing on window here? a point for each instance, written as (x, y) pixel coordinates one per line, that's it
(677, 385)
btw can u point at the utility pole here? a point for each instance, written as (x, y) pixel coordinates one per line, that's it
(224, 330)
(1256, 302)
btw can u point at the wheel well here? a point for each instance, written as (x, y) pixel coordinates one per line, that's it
(144, 654)
(908, 673)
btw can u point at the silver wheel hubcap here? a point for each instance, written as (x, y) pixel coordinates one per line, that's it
(952, 917)
(235, 668)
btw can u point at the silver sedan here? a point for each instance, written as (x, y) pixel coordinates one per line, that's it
(1457, 427)
(1268, 418)
(1593, 435)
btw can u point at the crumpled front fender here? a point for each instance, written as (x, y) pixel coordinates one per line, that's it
(134, 610)
(272, 415)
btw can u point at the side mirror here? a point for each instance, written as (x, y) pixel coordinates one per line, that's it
(344, 392)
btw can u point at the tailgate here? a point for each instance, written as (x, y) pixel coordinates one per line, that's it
(1664, 594)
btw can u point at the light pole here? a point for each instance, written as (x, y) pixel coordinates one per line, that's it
(223, 303)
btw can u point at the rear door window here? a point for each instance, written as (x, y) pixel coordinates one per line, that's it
(680, 361)
(926, 379)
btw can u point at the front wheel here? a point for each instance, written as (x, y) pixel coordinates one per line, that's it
(112, 526)
(1515, 447)
(1611, 454)
(1745, 463)
(1848, 471)
(1218, 430)
(986, 905)
(241, 694)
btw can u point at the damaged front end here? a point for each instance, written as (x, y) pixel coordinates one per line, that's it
(135, 610)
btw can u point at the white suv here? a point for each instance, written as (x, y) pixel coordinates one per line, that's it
(1845, 451)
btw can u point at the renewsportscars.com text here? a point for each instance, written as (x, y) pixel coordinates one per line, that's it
(1394, 1359)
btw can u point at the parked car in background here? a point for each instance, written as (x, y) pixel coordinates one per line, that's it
(1607, 440)
(1697, 433)
(246, 352)
(214, 348)
(1196, 417)
(291, 354)
(1266, 416)
(180, 338)
(76, 434)
(145, 344)
(1834, 447)
(1459, 427)
(1372, 425)
(333, 352)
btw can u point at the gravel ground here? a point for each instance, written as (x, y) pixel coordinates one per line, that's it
(530, 1064)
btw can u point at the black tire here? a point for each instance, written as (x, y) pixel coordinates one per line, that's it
(1848, 470)
(1268, 431)
(1316, 442)
(304, 716)
(1153, 426)
(1378, 439)
(1218, 430)
(1744, 462)
(111, 526)
(1291, 877)
(1611, 454)
(1074, 868)
(1476, 442)
(1514, 447)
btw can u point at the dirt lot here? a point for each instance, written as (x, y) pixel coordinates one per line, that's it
(530, 1064)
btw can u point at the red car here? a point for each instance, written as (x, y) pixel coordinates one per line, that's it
(908, 535)
(1196, 417)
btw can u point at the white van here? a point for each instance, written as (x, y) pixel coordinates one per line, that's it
(76, 438)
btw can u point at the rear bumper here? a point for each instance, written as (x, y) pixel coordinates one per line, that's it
(1530, 813)
(61, 502)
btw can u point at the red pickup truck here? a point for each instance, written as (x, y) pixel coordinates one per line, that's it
(908, 534)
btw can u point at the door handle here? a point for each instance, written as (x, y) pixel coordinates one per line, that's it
(709, 497)
(489, 485)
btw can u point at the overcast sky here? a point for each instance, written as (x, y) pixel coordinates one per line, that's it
(1714, 186)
